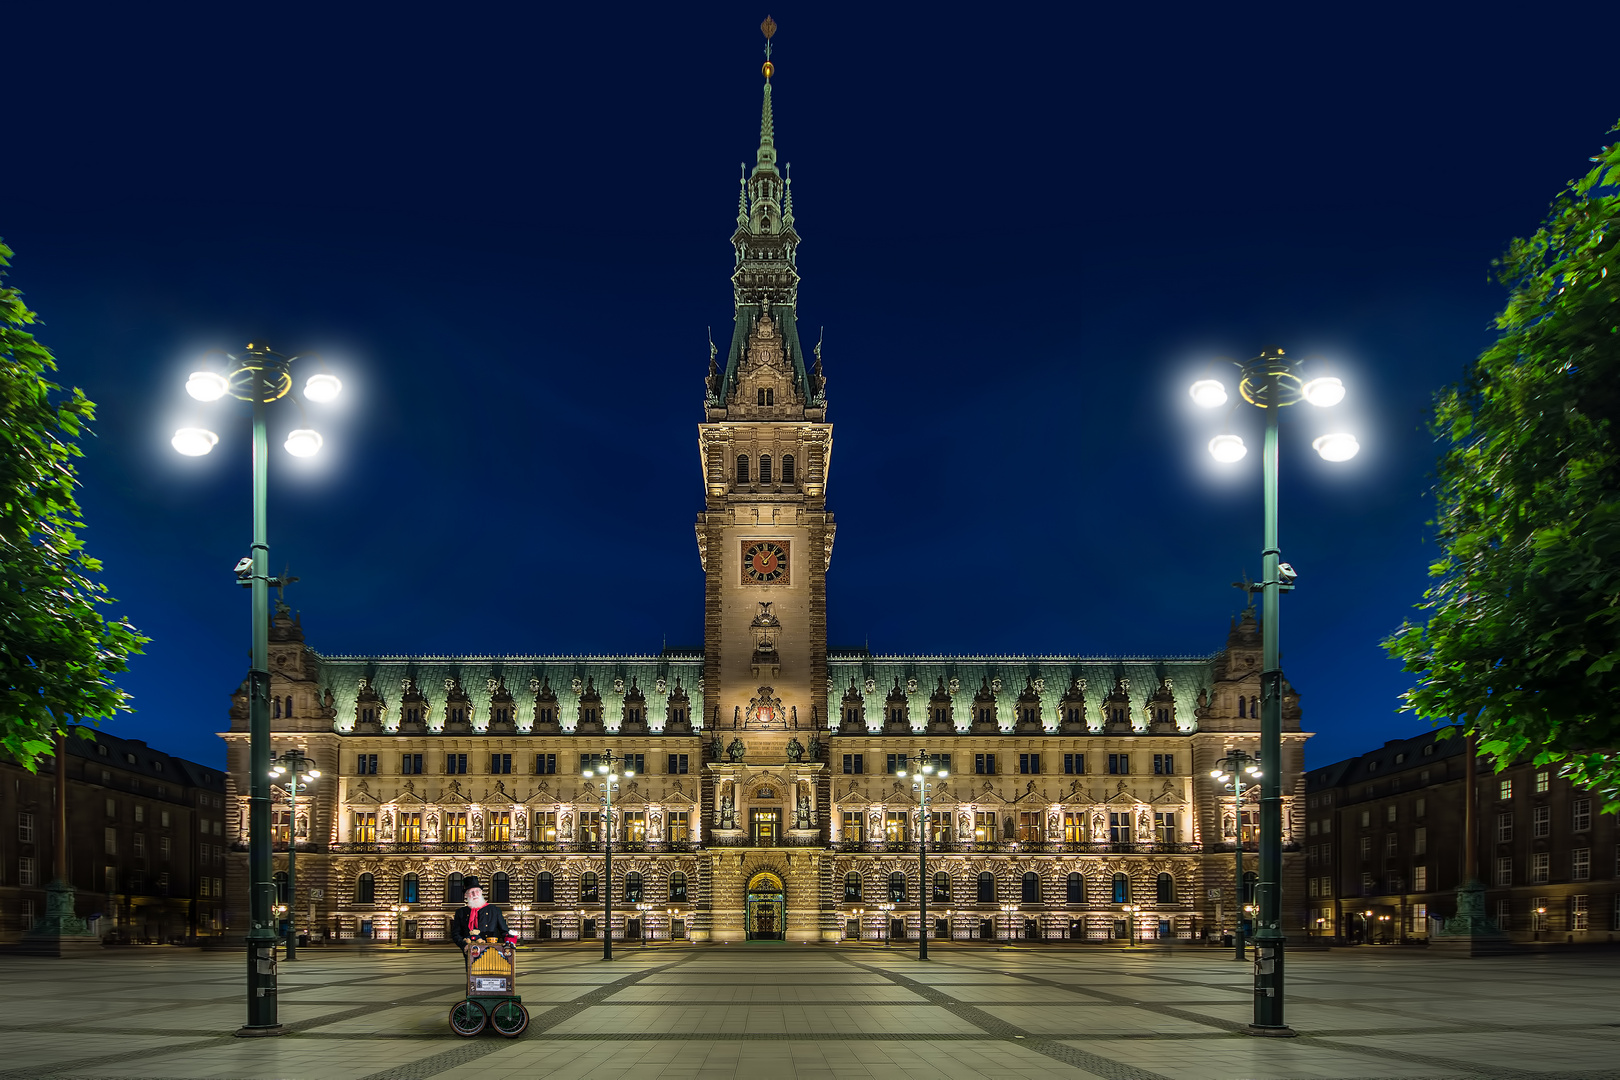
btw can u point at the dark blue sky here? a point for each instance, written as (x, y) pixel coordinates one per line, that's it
(1024, 232)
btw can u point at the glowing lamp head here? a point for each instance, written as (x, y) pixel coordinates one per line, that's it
(943, 773)
(1207, 394)
(1227, 448)
(629, 772)
(303, 442)
(206, 385)
(1324, 391)
(1338, 446)
(313, 773)
(194, 441)
(322, 387)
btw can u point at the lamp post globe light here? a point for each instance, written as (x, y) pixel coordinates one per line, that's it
(399, 911)
(293, 768)
(1130, 911)
(263, 377)
(1239, 770)
(1269, 382)
(607, 772)
(923, 778)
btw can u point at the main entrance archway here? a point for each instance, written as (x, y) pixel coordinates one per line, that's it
(766, 918)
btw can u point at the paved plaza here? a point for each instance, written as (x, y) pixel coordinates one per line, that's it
(779, 1010)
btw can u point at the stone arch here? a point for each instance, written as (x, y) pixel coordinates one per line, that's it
(765, 904)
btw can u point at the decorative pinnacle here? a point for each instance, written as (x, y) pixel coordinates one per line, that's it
(742, 195)
(787, 196)
(768, 28)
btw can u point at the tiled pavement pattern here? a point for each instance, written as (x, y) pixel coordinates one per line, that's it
(775, 1010)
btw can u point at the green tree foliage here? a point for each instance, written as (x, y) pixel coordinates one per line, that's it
(58, 650)
(1522, 641)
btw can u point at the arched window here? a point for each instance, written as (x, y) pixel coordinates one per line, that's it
(942, 887)
(365, 889)
(1166, 889)
(587, 888)
(852, 888)
(1250, 879)
(1254, 708)
(897, 887)
(987, 888)
(410, 889)
(1031, 888)
(677, 888)
(1122, 889)
(1242, 711)
(545, 888)
(632, 888)
(1075, 889)
(281, 888)
(500, 888)
(275, 708)
(787, 468)
(455, 889)
(764, 468)
(289, 705)
(742, 468)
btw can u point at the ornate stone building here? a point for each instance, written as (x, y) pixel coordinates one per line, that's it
(765, 801)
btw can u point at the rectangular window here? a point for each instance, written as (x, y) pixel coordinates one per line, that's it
(202, 826)
(163, 847)
(1389, 813)
(366, 764)
(1542, 782)
(1074, 828)
(854, 827)
(984, 827)
(1164, 826)
(1119, 828)
(1029, 764)
(680, 827)
(1366, 819)
(589, 763)
(1580, 864)
(1420, 918)
(202, 887)
(1164, 764)
(1504, 870)
(365, 828)
(1420, 840)
(1420, 806)
(634, 763)
(854, 764)
(590, 828)
(1420, 879)
(500, 826)
(984, 764)
(455, 763)
(25, 871)
(1366, 848)
(1311, 828)
(635, 826)
(1074, 764)
(410, 828)
(109, 841)
(1327, 826)
(112, 807)
(1392, 844)
(109, 878)
(25, 828)
(1538, 913)
(163, 883)
(678, 763)
(895, 763)
(1366, 884)
(544, 826)
(940, 762)
(140, 812)
(1581, 815)
(1580, 913)
(410, 764)
(163, 819)
(1540, 821)
(455, 828)
(1504, 828)
(500, 763)
(1119, 764)
(1540, 867)
(894, 826)
(1504, 914)
(1504, 789)
(940, 831)
(545, 764)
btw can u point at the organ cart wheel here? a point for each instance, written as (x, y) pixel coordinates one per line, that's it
(467, 1018)
(510, 1019)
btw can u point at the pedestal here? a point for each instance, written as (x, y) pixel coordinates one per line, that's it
(60, 932)
(1471, 932)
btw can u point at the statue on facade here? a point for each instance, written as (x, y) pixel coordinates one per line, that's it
(728, 810)
(433, 828)
(815, 748)
(794, 710)
(736, 750)
(795, 751)
(717, 748)
(802, 806)
(477, 826)
(388, 827)
(567, 830)
(964, 824)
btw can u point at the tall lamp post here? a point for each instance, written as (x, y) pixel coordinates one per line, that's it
(1269, 382)
(607, 772)
(1130, 911)
(1239, 770)
(263, 377)
(923, 778)
(296, 768)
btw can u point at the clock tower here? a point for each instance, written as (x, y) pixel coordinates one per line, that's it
(765, 536)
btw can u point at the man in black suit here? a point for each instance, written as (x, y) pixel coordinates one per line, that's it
(478, 918)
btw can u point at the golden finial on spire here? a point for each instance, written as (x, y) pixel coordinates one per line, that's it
(768, 28)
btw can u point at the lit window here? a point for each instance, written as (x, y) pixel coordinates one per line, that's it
(1420, 879)
(1581, 815)
(1504, 789)
(1540, 867)
(1579, 913)
(1542, 782)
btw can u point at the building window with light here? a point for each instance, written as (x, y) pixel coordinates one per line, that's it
(852, 888)
(455, 828)
(1074, 828)
(984, 827)
(1504, 789)
(986, 888)
(1164, 826)
(1031, 828)
(894, 827)
(410, 828)
(1540, 867)
(500, 827)
(854, 826)
(1580, 913)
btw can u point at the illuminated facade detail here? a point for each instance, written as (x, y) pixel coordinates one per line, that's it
(765, 800)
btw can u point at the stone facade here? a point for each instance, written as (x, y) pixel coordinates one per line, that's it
(766, 801)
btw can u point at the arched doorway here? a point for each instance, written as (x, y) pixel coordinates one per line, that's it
(766, 918)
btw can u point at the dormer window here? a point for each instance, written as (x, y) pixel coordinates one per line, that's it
(787, 468)
(764, 468)
(742, 468)
(767, 396)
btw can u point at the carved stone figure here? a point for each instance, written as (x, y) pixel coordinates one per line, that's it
(302, 828)
(964, 824)
(877, 824)
(736, 750)
(522, 825)
(815, 748)
(433, 828)
(795, 711)
(1227, 825)
(388, 826)
(802, 807)
(717, 748)
(567, 829)
(1052, 827)
(477, 826)
(795, 752)
(728, 810)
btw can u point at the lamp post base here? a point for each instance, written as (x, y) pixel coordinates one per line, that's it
(245, 1032)
(1283, 1032)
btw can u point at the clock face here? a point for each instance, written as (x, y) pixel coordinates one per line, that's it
(765, 562)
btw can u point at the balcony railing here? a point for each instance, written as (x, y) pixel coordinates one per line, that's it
(880, 847)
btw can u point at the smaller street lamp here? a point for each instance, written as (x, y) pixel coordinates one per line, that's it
(296, 768)
(645, 910)
(608, 772)
(860, 921)
(1240, 771)
(888, 922)
(399, 911)
(670, 914)
(1130, 911)
(1007, 910)
(520, 909)
(1535, 931)
(923, 778)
